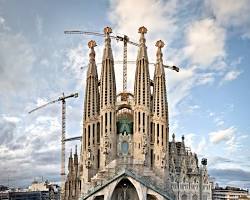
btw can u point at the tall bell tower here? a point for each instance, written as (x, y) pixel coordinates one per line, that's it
(160, 127)
(89, 160)
(142, 102)
(108, 103)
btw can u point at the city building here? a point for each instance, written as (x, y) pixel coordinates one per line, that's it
(37, 191)
(47, 190)
(229, 193)
(125, 151)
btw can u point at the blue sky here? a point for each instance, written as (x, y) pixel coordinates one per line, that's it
(208, 98)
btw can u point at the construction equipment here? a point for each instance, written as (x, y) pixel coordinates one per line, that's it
(63, 100)
(123, 38)
(165, 66)
(73, 138)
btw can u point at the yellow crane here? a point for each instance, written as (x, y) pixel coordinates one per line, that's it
(63, 140)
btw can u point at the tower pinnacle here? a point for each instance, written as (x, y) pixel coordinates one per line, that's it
(92, 65)
(160, 44)
(107, 54)
(107, 30)
(142, 30)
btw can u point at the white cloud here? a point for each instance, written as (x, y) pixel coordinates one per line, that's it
(230, 76)
(15, 63)
(230, 13)
(205, 42)
(149, 13)
(3, 25)
(39, 25)
(201, 146)
(222, 135)
(189, 140)
(36, 145)
(11, 119)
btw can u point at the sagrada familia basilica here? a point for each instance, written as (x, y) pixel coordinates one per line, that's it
(126, 152)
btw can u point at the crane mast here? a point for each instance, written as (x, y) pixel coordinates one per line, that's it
(125, 58)
(63, 140)
(125, 61)
(125, 40)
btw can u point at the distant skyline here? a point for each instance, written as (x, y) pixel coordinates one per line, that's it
(208, 99)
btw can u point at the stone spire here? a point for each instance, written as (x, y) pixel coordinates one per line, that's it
(142, 102)
(76, 158)
(142, 78)
(142, 42)
(160, 112)
(91, 108)
(107, 52)
(108, 103)
(160, 106)
(70, 163)
(90, 120)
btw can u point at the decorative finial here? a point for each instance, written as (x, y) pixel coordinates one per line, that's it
(70, 153)
(107, 30)
(183, 138)
(76, 149)
(142, 30)
(160, 44)
(92, 44)
(173, 136)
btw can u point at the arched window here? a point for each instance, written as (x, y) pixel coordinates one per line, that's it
(124, 190)
(195, 197)
(184, 197)
(151, 197)
(100, 197)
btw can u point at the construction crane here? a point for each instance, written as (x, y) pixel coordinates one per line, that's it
(73, 138)
(150, 63)
(63, 100)
(124, 39)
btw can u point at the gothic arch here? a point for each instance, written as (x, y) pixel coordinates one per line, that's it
(100, 197)
(125, 190)
(151, 197)
(184, 197)
(195, 197)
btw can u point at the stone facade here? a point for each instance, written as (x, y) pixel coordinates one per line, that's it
(125, 150)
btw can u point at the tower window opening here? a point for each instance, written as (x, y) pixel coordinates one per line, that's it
(93, 131)
(158, 133)
(88, 135)
(98, 132)
(101, 125)
(151, 158)
(110, 121)
(151, 131)
(98, 158)
(162, 134)
(139, 119)
(143, 119)
(106, 120)
(85, 138)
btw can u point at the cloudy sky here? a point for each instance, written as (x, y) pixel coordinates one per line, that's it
(208, 98)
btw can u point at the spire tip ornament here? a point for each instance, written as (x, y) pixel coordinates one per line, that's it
(160, 44)
(107, 30)
(92, 44)
(142, 30)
